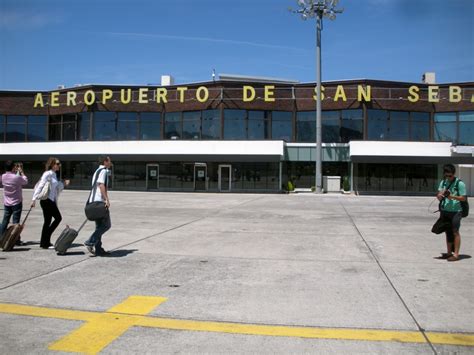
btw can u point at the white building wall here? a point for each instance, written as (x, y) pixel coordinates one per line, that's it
(466, 174)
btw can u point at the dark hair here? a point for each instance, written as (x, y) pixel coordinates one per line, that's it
(449, 168)
(9, 165)
(103, 158)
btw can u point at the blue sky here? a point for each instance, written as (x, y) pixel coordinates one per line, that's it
(46, 43)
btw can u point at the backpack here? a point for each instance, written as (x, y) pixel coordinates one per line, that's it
(464, 204)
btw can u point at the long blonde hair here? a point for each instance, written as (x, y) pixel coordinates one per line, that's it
(50, 163)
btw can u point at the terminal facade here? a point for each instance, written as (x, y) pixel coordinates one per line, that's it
(246, 135)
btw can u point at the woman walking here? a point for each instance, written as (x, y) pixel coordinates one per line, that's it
(49, 205)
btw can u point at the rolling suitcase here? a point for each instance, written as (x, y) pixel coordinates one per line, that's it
(65, 239)
(12, 234)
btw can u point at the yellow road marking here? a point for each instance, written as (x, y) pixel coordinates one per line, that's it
(96, 334)
(101, 329)
(451, 338)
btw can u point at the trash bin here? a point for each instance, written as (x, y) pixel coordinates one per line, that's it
(332, 183)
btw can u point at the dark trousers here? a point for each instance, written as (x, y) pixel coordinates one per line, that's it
(50, 211)
(10, 211)
(101, 226)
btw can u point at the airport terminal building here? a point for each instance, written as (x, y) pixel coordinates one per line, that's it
(245, 134)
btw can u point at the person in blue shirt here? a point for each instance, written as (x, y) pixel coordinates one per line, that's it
(451, 192)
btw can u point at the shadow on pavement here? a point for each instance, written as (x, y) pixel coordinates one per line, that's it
(72, 253)
(18, 249)
(461, 257)
(121, 253)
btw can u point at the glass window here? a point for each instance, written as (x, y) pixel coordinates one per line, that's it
(258, 125)
(396, 177)
(37, 128)
(306, 126)
(16, 128)
(445, 127)
(466, 128)
(150, 125)
(127, 126)
(234, 124)
(173, 125)
(192, 125)
(282, 126)
(331, 126)
(2, 128)
(69, 128)
(83, 122)
(399, 126)
(211, 124)
(352, 125)
(377, 126)
(187, 176)
(125, 175)
(420, 126)
(54, 128)
(104, 126)
(171, 175)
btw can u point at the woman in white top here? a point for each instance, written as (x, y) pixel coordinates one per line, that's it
(49, 205)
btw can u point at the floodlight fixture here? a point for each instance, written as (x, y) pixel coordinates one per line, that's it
(318, 9)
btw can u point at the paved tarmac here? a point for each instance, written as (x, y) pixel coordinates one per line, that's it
(242, 273)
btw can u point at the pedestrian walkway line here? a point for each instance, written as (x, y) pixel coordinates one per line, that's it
(101, 329)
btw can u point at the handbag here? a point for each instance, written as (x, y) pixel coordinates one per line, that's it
(441, 225)
(44, 193)
(97, 209)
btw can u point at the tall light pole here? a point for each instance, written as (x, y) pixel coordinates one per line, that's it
(318, 9)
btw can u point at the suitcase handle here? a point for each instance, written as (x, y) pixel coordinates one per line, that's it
(26, 217)
(82, 225)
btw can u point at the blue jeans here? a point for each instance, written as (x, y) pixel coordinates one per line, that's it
(101, 226)
(9, 211)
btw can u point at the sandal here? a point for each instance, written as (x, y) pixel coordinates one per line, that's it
(453, 258)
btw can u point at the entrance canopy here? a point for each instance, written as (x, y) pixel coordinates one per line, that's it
(162, 150)
(410, 152)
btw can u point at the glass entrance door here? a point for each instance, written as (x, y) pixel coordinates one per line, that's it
(225, 178)
(200, 177)
(152, 176)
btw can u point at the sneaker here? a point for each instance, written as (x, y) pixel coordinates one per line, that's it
(19, 242)
(90, 248)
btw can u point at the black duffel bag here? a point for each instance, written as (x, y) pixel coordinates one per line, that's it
(95, 210)
(441, 225)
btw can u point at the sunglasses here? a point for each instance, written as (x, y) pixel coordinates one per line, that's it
(58, 163)
(448, 175)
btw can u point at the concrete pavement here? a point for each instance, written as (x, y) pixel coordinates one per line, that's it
(301, 260)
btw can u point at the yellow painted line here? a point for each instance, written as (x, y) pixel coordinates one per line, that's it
(101, 329)
(138, 305)
(95, 335)
(451, 338)
(46, 312)
(283, 331)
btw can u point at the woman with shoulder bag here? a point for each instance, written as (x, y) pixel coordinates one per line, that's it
(47, 191)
